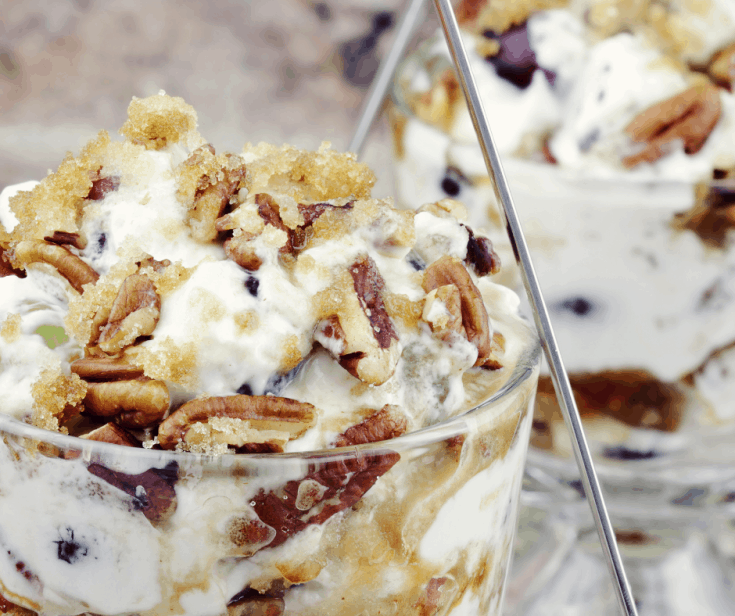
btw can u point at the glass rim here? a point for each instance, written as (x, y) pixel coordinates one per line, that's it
(528, 362)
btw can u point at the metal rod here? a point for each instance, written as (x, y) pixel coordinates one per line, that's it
(541, 316)
(376, 95)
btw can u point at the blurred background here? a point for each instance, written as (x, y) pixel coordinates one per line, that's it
(280, 71)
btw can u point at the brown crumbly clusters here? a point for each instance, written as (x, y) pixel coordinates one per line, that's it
(61, 196)
(56, 399)
(10, 328)
(305, 177)
(170, 362)
(159, 120)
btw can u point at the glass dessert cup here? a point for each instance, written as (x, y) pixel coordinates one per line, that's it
(423, 523)
(635, 272)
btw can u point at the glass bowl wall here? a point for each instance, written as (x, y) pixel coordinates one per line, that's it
(422, 522)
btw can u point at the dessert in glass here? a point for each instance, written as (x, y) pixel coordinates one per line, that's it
(617, 125)
(238, 384)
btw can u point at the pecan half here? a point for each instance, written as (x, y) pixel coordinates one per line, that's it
(134, 313)
(370, 350)
(449, 270)
(210, 202)
(385, 424)
(261, 412)
(343, 482)
(70, 266)
(111, 433)
(6, 269)
(480, 255)
(134, 404)
(152, 491)
(690, 117)
(64, 237)
(105, 369)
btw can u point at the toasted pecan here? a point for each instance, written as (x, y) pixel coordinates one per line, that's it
(722, 67)
(64, 237)
(134, 313)
(261, 412)
(105, 369)
(345, 479)
(449, 270)
(114, 434)
(69, 265)
(382, 425)
(139, 403)
(6, 269)
(689, 116)
(449, 320)
(152, 491)
(210, 202)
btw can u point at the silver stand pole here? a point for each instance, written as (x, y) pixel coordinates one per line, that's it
(543, 323)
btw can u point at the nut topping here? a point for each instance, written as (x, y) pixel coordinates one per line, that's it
(383, 425)
(134, 313)
(449, 270)
(722, 67)
(255, 604)
(70, 266)
(64, 237)
(210, 202)
(101, 186)
(134, 404)
(346, 481)
(111, 433)
(443, 312)
(6, 269)
(690, 117)
(105, 369)
(152, 491)
(261, 412)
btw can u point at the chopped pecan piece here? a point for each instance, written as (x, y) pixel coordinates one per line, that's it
(722, 67)
(497, 348)
(383, 425)
(261, 412)
(70, 266)
(239, 249)
(134, 313)
(64, 237)
(111, 433)
(105, 369)
(152, 491)
(6, 269)
(443, 312)
(12, 609)
(449, 270)
(690, 117)
(269, 211)
(480, 255)
(140, 403)
(345, 480)
(210, 202)
(713, 214)
(103, 185)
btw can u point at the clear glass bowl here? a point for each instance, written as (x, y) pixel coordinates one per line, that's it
(423, 523)
(642, 306)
